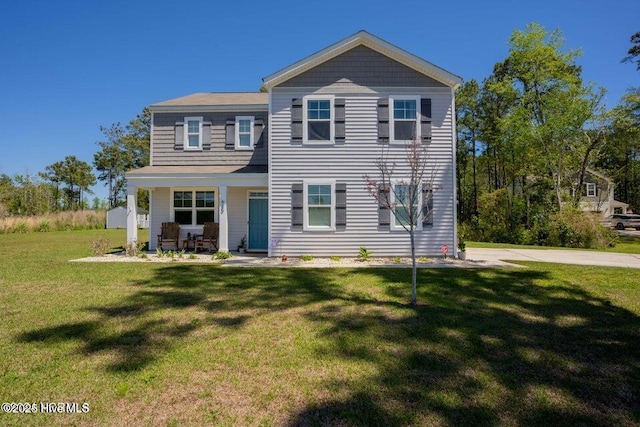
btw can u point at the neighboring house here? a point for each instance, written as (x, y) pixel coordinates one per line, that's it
(117, 217)
(597, 195)
(285, 168)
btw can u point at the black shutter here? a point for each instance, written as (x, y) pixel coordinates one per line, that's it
(179, 136)
(297, 204)
(339, 120)
(258, 132)
(341, 206)
(206, 135)
(384, 215)
(383, 120)
(425, 121)
(296, 120)
(230, 132)
(427, 205)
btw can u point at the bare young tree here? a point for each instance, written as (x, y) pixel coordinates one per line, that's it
(406, 196)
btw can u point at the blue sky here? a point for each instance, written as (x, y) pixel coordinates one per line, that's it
(67, 67)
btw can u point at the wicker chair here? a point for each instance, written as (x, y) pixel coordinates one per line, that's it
(209, 238)
(170, 233)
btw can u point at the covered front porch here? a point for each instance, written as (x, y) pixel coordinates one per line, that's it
(236, 198)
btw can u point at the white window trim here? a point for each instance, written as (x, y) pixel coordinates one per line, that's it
(392, 128)
(398, 227)
(591, 189)
(186, 134)
(237, 132)
(332, 120)
(305, 206)
(193, 208)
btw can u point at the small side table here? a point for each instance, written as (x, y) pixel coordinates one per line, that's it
(189, 242)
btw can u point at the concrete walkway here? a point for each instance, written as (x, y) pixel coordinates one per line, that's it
(497, 257)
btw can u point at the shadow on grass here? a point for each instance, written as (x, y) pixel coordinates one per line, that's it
(485, 347)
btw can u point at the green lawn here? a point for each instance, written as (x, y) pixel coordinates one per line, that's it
(176, 344)
(625, 245)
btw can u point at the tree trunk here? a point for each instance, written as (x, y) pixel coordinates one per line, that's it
(414, 270)
(475, 182)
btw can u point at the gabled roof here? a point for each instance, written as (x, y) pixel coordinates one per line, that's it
(220, 100)
(599, 175)
(369, 40)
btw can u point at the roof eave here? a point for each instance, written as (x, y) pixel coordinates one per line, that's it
(208, 108)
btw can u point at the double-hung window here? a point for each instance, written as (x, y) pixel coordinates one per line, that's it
(319, 209)
(318, 119)
(406, 198)
(591, 189)
(193, 133)
(404, 119)
(193, 207)
(244, 132)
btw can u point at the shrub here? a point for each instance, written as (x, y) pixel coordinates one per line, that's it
(576, 229)
(335, 258)
(134, 249)
(100, 246)
(222, 255)
(364, 254)
(20, 227)
(396, 260)
(306, 257)
(44, 226)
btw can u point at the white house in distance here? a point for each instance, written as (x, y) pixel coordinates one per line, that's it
(597, 195)
(285, 168)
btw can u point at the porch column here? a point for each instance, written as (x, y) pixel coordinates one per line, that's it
(132, 214)
(223, 238)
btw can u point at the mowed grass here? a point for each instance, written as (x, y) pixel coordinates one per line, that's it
(184, 344)
(625, 245)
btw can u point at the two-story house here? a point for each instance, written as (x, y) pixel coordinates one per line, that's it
(597, 195)
(285, 168)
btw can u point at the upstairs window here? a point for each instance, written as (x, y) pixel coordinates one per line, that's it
(193, 133)
(591, 189)
(404, 120)
(244, 132)
(319, 120)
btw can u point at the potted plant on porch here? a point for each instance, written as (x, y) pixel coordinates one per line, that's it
(462, 249)
(243, 244)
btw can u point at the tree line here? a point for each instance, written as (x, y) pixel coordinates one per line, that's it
(529, 132)
(65, 184)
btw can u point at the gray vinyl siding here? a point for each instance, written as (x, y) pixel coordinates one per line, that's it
(348, 163)
(159, 212)
(361, 67)
(164, 153)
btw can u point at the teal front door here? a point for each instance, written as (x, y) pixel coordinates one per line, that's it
(258, 224)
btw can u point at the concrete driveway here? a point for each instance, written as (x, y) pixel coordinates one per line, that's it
(497, 257)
